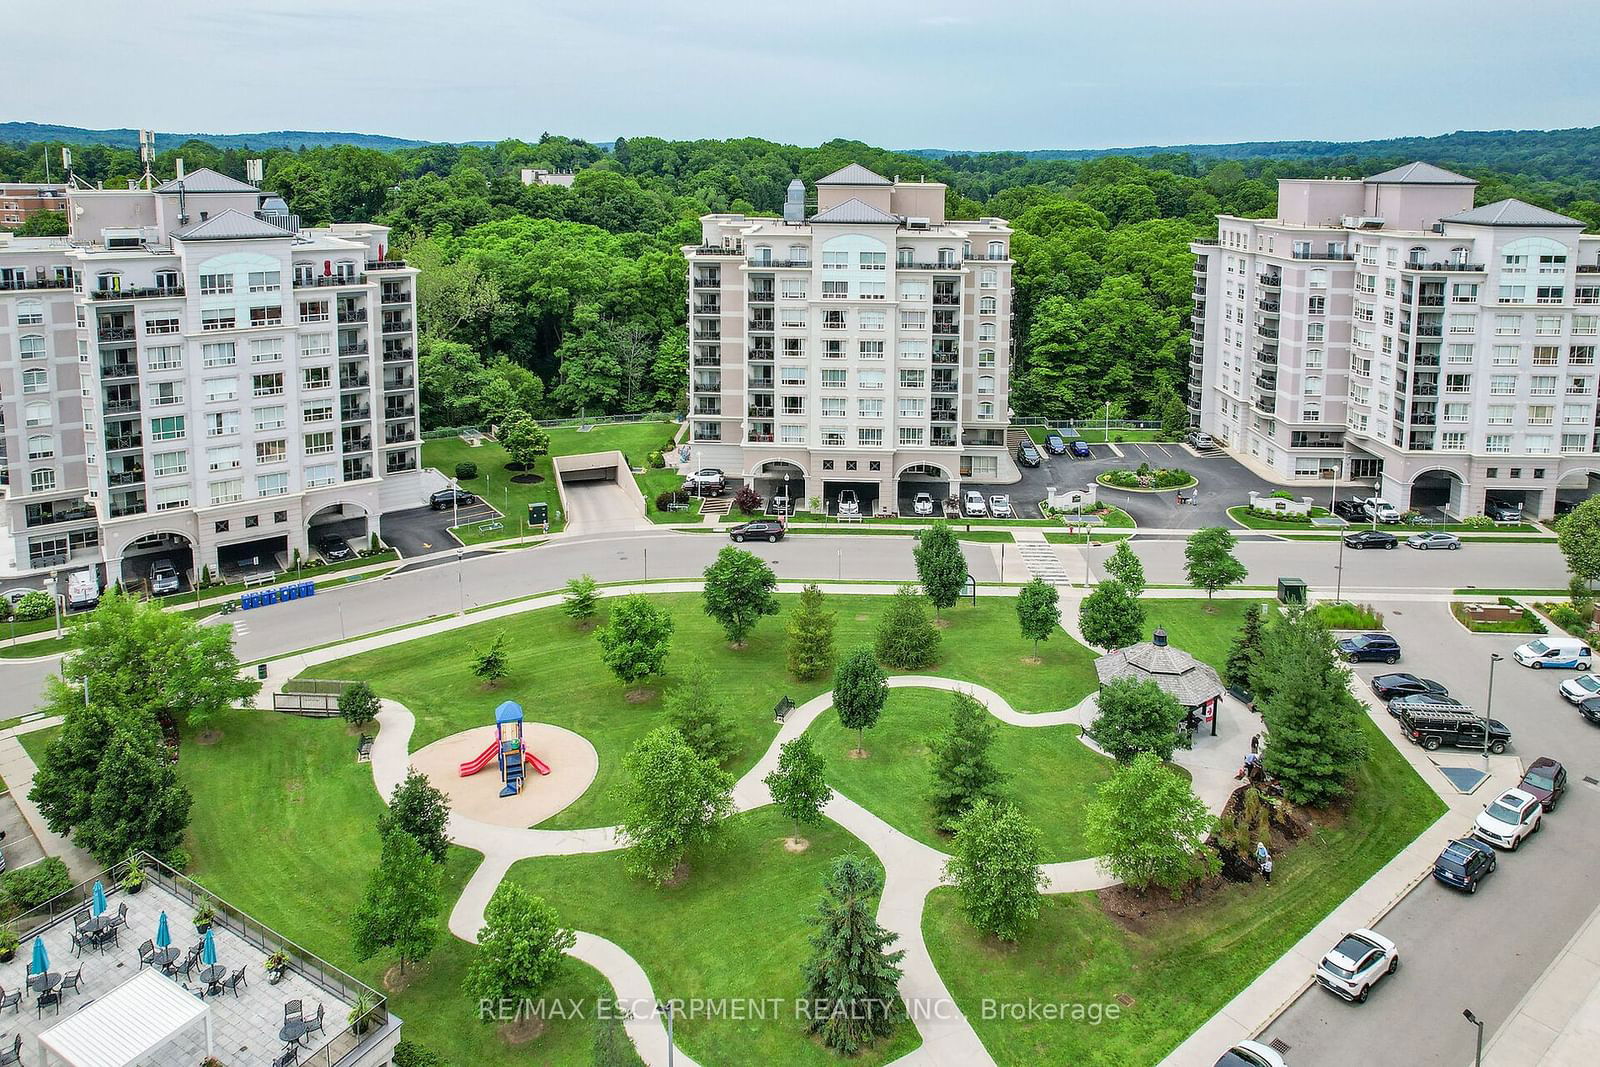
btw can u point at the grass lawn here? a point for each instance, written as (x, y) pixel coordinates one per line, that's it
(556, 674)
(1052, 775)
(737, 929)
(1179, 967)
(1343, 615)
(975, 536)
(807, 517)
(1245, 517)
(1203, 629)
(1061, 537)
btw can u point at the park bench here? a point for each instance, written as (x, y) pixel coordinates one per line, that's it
(782, 710)
(364, 749)
(491, 526)
(259, 578)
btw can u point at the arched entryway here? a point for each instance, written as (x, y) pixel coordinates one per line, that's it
(1438, 494)
(1575, 487)
(777, 478)
(337, 531)
(158, 564)
(930, 478)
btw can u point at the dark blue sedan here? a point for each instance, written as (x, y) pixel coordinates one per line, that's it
(1080, 449)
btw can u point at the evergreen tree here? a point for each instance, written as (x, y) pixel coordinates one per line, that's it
(799, 786)
(1246, 649)
(1209, 560)
(941, 565)
(1138, 716)
(811, 636)
(581, 598)
(1125, 566)
(852, 978)
(963, 773)
(492, 664)
(859, 693)
(400, 910)
(907, 638)
(694, 707)
(1038, 611)
(1111, 618)
(996, 869)
(634, 642)
(738, 591)
(1149, 828)
(672, 800)
(1173, 411)
(417, 808)
(521, 948)
(1314, 739)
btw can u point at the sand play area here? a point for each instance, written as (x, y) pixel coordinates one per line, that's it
(571, 758)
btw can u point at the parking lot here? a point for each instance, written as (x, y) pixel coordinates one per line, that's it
(418, 531)
(1485, 950)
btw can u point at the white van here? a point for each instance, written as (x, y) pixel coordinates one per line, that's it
(83, 590)
(1573, 653)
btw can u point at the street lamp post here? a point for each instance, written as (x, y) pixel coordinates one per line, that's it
(1466, 1013)
(1338, 572)
(55, 594)
(1108, 422)
(461, 587)
(668, 1007)
(1488, 705)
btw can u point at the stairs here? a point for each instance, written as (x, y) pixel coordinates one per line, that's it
(1042, 562)
(716, 505)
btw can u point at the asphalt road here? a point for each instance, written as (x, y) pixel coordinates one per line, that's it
(1457, 951)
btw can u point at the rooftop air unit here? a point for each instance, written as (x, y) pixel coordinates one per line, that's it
(794, 203)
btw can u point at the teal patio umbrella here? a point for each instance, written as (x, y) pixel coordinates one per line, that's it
(208, 954)
(99, 898)
(163, 935)
(41, 958)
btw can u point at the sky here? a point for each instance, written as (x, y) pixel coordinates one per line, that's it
(1000, 74)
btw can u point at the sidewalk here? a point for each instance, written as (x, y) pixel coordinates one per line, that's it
(1558, 1022)
(17, 770)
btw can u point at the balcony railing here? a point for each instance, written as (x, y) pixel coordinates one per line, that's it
(352, 315)
(1429, 301)
(949, 359)
(1471, 268)
(142, 293)
(386, 264)
(1430, 331)
(1267, 331)
(396, 382)
(121, 407)
(755, 411)
(17, 284)
(125, 477)
(945, 329)
(761, 355)
(399, 435)
(355, 414)
(758, 438)
(328, 281)
(715, 361)
(763, 296)
(909, 264)
(396, 325)
(403, 354)
(763, 325)
(396, 298)
(116, 333)
(943, 442)
(767, 264)
(1271, 281)
(708, 307)
(354, 381)
(942, 415)
(400, 411)
(123, 442)
(944, 387)
(119, 370)
(121, 509)
(359, 348)
(1269, 306)
(1337, 257)
(946, 300)
(717, 250)
(708, 335)
(708, 283)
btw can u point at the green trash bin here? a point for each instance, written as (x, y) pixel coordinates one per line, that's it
(1292, 591)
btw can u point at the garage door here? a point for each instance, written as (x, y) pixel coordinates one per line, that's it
(607, 473)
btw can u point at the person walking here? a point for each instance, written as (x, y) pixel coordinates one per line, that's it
(1266, 869)
(1255, 743)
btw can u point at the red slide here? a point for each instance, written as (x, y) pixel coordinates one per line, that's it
(538, 764)
(481, 760)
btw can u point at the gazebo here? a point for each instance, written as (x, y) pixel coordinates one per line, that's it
(1194, 684)
(127, 1025)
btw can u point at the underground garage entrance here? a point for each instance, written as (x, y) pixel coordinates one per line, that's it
(599, 492)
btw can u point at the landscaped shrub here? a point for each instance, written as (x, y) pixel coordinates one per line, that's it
(27, 887)
(1277, 516)
(466, 470)
(1478, 522)
(36, 605)
(671, 499)
(655, 461)
(747, 500)
(1147, 477)
(1281, 494)
(1346, 616)
(1567, 617)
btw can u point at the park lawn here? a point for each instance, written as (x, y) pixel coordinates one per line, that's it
(1050, 773)
(1179, 967)
(1204, 629)
(738, 928)
(1096, 536)
(557, 676)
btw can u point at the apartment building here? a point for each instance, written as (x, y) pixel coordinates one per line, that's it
(190, 374)
(18, 200)
(1385, 330)
(864, 345)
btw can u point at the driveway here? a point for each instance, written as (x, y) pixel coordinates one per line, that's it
(602, 507)
(418, 531)
(1483, 951)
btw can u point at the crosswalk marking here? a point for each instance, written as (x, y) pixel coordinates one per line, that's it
(1042, 562)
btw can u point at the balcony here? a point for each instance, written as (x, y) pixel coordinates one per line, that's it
(946, 300)
(759, 382)
(1199, 287)
(1267, 331)
(329, 281)
(386, 264)
(355, 413)
(708, 307)
(396, 298)
(758, 437)
(1267, 405)
(707, 383)
(357, 471)
(1268, 382)
(123, 442)
(1335, 257)
(761, 355)
(1271, 281)
(354, 381)
(1268, 304)
(396, 325)
(19, 284)
(395, 382)
(127, 406)
(1463, 267)
(110, 334)
(119, 370)
(943, 441)
(401, 354)
(129, 504)
(756, 411)
(708, 283)
(1430, 300)
(359, 348)
(400, 411)
(945, 329)
(399, 435)
(399, 462)
(945, 359)
(763, 296)
(769, 264)
(763, 324)
(941, 385)
(133, 477)
(909, 264)
(1424, 330)
(714, 361)
(708, 406)
(142, 293)
(942, 414)
(358, 442)
(349, 315)
(702, 333)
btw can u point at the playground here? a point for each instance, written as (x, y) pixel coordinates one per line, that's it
(509, 772)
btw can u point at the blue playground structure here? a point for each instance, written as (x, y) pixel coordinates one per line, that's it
(508, 732)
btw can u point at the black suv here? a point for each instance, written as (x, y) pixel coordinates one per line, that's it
(1433, 727)
(1464, 863)
(1027, 455)
(445, 498)
(759, 530)
(1370, 647)
(1349, 510)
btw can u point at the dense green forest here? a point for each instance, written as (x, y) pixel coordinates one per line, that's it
(553, 299)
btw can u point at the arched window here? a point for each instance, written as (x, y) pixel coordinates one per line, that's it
(989, 278)
(42, 480)
(985, 357)
(1460, 254)
(1416, 255)
(35, 381)
(904, 256)
(30, 312)
(947, 257)
(37, 413)
(1318, 278)
(985, 410)
(988, 305)
(41, 446)
(986, 331)
(797, 253)
(997, 250)
(31, 346)
(986, 384)
(345, 268)
(762, 255)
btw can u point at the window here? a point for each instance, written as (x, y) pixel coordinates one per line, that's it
(317, 413)
(1453, 441)
(164, 464)
(1315, 332)
(1514, 264)
(1513, 294)
(985, 384)
(164, 322)
(1578, 387)
(986, 357)
(30, 312)
(1541, 415)
(794, 348)
(227, 492)
(987, 331)
(217, 319)
(266, 350)
(873, 290)
(222, 423)
(313, 311)
(164, 394)
(1547, 326)
(165, 357)
(1456, 413)
(832, 290)
(1546, 355)
(912, 379)
(1503, 385)
(988, 278)
(1549, 294)
(913, 320)
(833, 378)
(833, 407)
(1458, 383)
(1571, 415)
(870, 321)
(266, 384)
(1463, 323)
(835, 260)
(870, 408)
(266, 316)
(215, 284)
(167, 428)
(914, 350)
(1497, 444)
(42, 480)
(794, 376)
(874, 260)
(218, 355)
(792, 318)
(794, 289)
(31, 346)
(1508, 325)
(1506, 355)
(912, 407)
(1500, 414)
(833, 350)
(1538, 444)
(1316, 305)
(833, 437)
(870, 379)
(1574, 442)
(41, 446)
(1312, 386)
(317, 378)
(1459, 354)
(869, 436)
(833, 320)
(223, 458)
(870, 349)
(1317, 278)
(1543, 385)
(321, 474)
(221, 389)
(1585, 325)
(264, 281)
(269, 418)
(913, 292)
(35, 381)
(275, 451)
(910, 436)
(1314, 357)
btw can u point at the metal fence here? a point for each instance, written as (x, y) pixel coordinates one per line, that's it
(310, 705)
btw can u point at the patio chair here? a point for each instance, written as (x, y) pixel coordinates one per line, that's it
(236, 980)
(314, 1023)
(12, 1054)
(50, 998)
(78, 944)
(12, 1000)
(292, 1009)
(147, 954)
(290, 1055)
(78, 919)
(122, 913)
(72, 980)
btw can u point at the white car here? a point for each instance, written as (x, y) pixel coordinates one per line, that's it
(849, 505)
(1581, 688)
(1251, 1054)
(1356, 963)
(163, 577)
(1378, 508)
(1513, 816)
(972, 503)
(1000, 506)
(922, 504)
(707, 481)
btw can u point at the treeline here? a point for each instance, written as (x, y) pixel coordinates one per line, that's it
(558, 299)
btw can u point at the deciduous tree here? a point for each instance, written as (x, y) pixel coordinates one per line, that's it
(1038, 611)
(1149, 828)
(417, 808)
(492, 663)
(672, 799)
(137, 802)
(852, 978)
(1125, 566)
(1209, 560)
(799, 786)
(358, 704)
(1579, 538)
(635, 640)
(1110, 617)
(524, 440)
(941, 566)
(522, 947)
(739, 591)
(581, 598)
(1138, 716)
(399, 912)
(996, 869)
(860, 690)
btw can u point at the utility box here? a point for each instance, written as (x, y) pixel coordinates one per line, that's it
(538, 512)
(1292, 591)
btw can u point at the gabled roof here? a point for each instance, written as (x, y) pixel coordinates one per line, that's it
(232, 225)
(854, 211)
(1174, 670)
(1421, 174)
(206, 180)
(854, 174)
(1512, 213)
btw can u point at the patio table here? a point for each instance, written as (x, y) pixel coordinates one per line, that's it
(293, 1030)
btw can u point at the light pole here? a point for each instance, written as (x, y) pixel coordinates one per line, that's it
(1488, 705)
(1466, 1013)
(461, 587)
(668, 1007)
(342, 636)
(55, 594)
(1108, 422)
(1338, 572)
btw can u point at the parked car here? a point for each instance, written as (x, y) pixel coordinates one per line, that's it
(849, 504)
(1433, 540)
(1200, 440)
(1375, 507)
(1000, 506)
(707, 481)
(1350, 510)
(1389, 686)
(1356, 963)
(1371, 539)
(1577, 690)
(1081, 450)
(759, 530)
(922, 504)
(1251, 1054)
(1571, 653)
(972, 503)
(1508, 820)
(1458, 727)
(83, 589)
(1546, 779)
(1590, 709)
(1465, 863)
(780, 504)
(1370, 647)
(163, 577)
(1564, 507)
(1055, 445)
(1421, 700)
(333, 549)
(1502, 510)
(1027, 455)
(446, 498)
